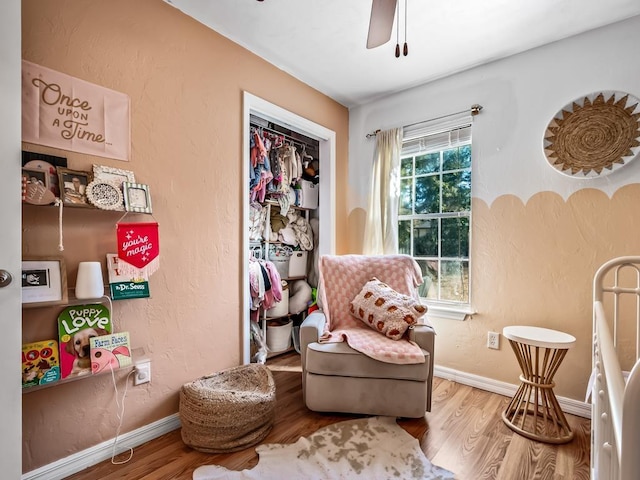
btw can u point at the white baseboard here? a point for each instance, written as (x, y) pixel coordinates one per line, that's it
(568, 405)
(79, 461)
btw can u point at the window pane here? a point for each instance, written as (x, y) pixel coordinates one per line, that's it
(456, 158)
(406, 167)
(456, 191)
(450, 159)
(428, 194)
(454, 281)
(425, 238)
(455, 237)
(429, 287)
(404, 237)
(429, 163)
(464, 154)
(404, 204)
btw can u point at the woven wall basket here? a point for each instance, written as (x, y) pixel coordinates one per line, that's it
(594, 135)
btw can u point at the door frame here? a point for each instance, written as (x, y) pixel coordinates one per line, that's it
(253, 105)
(11, 241)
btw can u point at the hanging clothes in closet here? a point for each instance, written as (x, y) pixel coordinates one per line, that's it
(277, 167)
(265, 284)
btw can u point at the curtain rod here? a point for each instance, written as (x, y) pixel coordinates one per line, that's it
(475, 110)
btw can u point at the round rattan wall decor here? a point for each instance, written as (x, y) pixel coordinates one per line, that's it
(594, 135)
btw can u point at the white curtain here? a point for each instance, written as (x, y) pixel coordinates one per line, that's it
(381, 229)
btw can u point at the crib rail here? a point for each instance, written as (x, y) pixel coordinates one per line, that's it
(630, 459)
(615, 420)
(609, 388)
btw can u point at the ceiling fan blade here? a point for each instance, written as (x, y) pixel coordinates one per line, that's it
(381, 23)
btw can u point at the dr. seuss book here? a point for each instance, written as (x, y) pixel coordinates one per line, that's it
(40, 363)
(110, 352)
(124, 286)
(76, 326)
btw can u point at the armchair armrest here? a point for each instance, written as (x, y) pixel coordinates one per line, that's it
(423, 335)
(310, 331)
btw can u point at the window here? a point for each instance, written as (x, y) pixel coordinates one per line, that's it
(434, 211)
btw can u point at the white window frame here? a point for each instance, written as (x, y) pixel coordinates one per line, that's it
(443, 134)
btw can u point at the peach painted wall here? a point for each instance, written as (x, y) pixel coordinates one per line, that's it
(185, 83)
(538, 236)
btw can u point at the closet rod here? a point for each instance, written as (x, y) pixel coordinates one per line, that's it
(294, 140)
(475, 110)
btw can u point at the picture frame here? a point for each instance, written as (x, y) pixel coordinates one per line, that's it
(117, 176)
(114, 176)
(44, 282)
(36, 186)
(73, 185)
(136, 197)
(49, 163)
(35, 175)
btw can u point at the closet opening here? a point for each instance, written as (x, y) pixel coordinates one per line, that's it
(288, 211)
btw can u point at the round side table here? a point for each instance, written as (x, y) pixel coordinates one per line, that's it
(534, 411)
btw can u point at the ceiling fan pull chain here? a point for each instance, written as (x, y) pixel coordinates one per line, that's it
(397, 29)
(405, 50)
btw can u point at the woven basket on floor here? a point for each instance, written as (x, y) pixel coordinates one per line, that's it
(229, 410)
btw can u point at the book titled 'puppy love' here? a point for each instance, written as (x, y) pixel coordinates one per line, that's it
(76, 326)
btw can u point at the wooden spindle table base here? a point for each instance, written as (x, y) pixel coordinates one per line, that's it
(534, 411)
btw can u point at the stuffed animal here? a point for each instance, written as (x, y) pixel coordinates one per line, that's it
(299, 296)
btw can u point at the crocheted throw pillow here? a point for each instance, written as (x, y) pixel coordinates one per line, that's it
(385, 310)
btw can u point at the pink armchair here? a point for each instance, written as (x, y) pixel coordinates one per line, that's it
(392, 378)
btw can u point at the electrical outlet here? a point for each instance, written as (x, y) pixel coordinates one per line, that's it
(143, 373)
(493, 340)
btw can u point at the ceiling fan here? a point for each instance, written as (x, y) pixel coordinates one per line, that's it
(381, 24)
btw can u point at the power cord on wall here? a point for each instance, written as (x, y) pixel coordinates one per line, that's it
(120, 415)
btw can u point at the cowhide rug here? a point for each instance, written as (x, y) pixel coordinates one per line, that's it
(367, 448)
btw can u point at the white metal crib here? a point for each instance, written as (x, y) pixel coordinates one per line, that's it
(615, 414)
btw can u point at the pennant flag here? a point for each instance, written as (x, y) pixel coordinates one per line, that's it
(138, 248)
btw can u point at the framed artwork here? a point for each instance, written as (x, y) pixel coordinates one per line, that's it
(136, 197)
(104, 175)
(113, 175)
(48, 163)
(44, 282)
(37, 176)
(36, 187)
(73, 187)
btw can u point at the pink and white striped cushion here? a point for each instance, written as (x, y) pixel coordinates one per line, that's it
(341, 279)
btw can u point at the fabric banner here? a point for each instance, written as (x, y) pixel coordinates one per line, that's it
(138, 248)
(65, 112)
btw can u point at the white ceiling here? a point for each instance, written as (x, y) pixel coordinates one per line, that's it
(323, 42)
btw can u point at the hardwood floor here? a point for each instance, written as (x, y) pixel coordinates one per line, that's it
(464, 433)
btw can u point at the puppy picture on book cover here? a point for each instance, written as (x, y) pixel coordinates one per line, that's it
(76, 326)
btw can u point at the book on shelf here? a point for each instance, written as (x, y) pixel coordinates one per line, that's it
(40, 363)
(123, 287)
(110, 352)
(76, 326)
